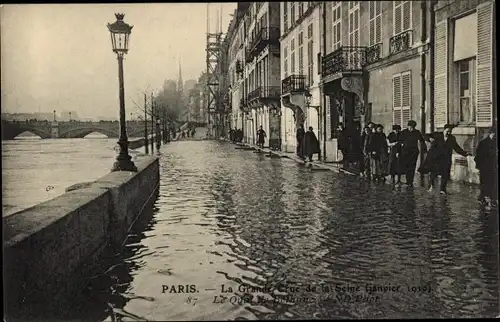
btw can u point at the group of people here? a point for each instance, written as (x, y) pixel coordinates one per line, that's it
(188, 132)
(236, 135)
(396, 154)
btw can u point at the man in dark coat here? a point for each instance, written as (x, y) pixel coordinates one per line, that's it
(486, 163)
(311, 144)
(231, 135)
(343, 141)
(261, 137)
(300, 141)
(450, 145)
(410, 138)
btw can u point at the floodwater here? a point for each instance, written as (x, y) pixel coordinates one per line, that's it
(35, 170)
(236, 235)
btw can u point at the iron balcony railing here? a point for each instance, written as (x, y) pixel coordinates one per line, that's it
(400, 42)
(373, 53)
(293, 83)
(344, 59)
(264, 37)
(264, 92)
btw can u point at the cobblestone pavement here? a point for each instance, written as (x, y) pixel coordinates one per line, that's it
(238, 235)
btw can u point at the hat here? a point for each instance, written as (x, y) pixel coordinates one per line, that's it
(412, 123)
(396, 127)
(449, 126)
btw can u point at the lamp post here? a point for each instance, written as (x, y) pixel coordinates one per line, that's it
(120, 33)
(146, 144)
(158, 142)
(54, 115)
(70, 116)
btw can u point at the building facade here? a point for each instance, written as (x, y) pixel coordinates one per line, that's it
(261, 73)
(355, 62)
(301, 93)
(465, 75)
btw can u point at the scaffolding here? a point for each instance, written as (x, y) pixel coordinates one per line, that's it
(213, 100)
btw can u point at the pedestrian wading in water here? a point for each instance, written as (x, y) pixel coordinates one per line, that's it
(487, 163)
(343, 142)
(377, 150)
(394, 142)
(261, 137)
(439, 159)
(365, 140)
(410, 150)
(300, 142)
(311, 144)
(434, 159)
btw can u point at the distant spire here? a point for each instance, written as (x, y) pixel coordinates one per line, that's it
(180, 83)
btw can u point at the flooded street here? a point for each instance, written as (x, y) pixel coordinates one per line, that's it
(237, 235)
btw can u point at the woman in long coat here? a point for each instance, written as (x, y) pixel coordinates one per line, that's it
(311, 144)
(394, 167)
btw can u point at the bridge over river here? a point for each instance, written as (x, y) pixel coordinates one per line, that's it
(74, 129)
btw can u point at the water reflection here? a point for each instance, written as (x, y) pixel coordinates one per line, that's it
(243, 220)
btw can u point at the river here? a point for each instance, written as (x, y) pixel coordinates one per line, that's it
(35, 170)
(236, 235)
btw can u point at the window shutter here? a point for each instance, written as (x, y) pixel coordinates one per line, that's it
(484, 110)
(405, 98)
(396, 99)
(378, 29)
(441, 75)
(406, 15)
(397, 19)
(372, 32)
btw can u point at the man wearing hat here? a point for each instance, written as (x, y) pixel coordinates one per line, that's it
(410, 138)
(450, 145)
(486, 163)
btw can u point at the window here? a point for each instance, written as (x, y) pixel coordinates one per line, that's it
(466, 89)
(301, 8)
(301, 60)
(285, 62)
(375, 22)
(285, 16)
(402, 16)
(353, 25)
(292, 13)
(292, 56)
(337, 24)
(310, 56)
(401, 98)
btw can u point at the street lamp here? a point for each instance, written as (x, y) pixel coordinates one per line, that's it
(54, 115)
(158, 142)
(120, 33)
(70, 116)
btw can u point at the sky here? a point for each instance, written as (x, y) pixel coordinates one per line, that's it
(59, 56)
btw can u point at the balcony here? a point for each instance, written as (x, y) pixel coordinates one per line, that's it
(400, 42)
(263, 94)
(373, 53)
(347, 59)
(293, 83)
(265, 36)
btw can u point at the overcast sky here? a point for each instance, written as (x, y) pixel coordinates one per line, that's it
(59, 57)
